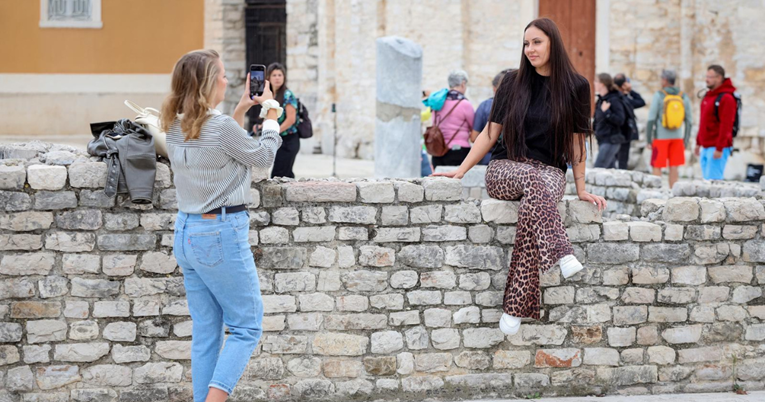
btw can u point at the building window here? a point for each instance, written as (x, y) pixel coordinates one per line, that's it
(70, 14)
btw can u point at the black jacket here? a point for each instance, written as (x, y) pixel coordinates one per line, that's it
(131, 160)
(635, 100)
(609, 123)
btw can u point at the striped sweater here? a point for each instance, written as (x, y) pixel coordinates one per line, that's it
(215, 169)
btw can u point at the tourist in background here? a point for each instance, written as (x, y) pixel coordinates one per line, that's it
(482, 114)
(669, 127)
(276, 74)
(633, 101)
(609, 119)
(455, 119)
(714, 141)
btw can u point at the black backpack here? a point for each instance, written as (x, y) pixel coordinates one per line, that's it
(304, 126)
(737, 121)
(629, 128)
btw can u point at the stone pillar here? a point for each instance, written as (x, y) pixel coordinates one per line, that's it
(397, 126)
(224, 32)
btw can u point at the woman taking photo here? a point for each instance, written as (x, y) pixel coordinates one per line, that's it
(276, 74)
(541, 117)
(609, 119)
(212, 157)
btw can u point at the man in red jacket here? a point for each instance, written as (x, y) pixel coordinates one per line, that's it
(715, 139)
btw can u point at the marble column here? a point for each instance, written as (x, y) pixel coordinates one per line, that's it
(397, 123)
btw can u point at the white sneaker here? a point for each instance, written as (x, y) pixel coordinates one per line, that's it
(569, 266)
(509, 324)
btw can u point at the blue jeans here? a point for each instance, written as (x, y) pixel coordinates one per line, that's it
(607, 155)
(711, 168)
(425, 169)
(221, 287)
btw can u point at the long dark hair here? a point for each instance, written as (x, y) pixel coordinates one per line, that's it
(563, 96)
(278, 95)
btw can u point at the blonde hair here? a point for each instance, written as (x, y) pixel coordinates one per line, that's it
(192, 88)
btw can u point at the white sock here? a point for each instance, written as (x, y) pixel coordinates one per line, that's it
(569, 266)
(509, 324)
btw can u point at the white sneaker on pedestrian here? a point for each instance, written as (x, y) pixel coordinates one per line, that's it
(569, 266)
(509, 324)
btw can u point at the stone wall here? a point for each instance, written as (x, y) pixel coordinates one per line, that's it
(372, 290)
(625, 191)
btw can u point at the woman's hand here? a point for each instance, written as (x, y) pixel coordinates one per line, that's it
(599, 201)
(267, 94)
(454, 174)
(605, 106)
(246, 102)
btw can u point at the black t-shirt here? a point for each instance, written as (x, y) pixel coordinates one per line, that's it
(537, 126)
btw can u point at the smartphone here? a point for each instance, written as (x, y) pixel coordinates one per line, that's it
(257, 79)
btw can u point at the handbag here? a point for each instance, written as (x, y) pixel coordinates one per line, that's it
(148, 118)
(434, 137)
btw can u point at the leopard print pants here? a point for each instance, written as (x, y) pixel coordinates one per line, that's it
(540, 239)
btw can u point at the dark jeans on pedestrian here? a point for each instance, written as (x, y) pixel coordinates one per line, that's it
(285, 156)
(607, 155)
(623, 157)
(452, 158)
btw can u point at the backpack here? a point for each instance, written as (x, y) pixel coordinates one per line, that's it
(673, 112)
(434, 137)
(630, 128)
(737, 121)
(304, 126)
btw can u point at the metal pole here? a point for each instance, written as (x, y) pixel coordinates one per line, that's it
(334, 140)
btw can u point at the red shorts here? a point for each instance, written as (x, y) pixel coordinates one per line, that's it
(667, 150)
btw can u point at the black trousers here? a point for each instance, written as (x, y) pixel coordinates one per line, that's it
(451, 158)
(623, 156)
(285, 156)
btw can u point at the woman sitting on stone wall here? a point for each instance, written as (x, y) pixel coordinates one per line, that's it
(212, 157)
(539, 122)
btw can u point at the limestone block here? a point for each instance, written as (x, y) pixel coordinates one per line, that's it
(286, 217)
(320, 191)
(376, 192)
(87, 175)
(395, 216)
(409, 192)
(444, 233)
(12, 177)
(48, 200)
(680, 209)
(44, 177)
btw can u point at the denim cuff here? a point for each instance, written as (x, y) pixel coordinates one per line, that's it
(220, 387)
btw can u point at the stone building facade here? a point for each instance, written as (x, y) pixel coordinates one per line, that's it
(372, 290)
(331, 53)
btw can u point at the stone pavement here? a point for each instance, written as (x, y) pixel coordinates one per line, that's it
(713, 397)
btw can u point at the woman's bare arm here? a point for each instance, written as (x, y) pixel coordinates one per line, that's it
(578, 167)
(483, 144)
